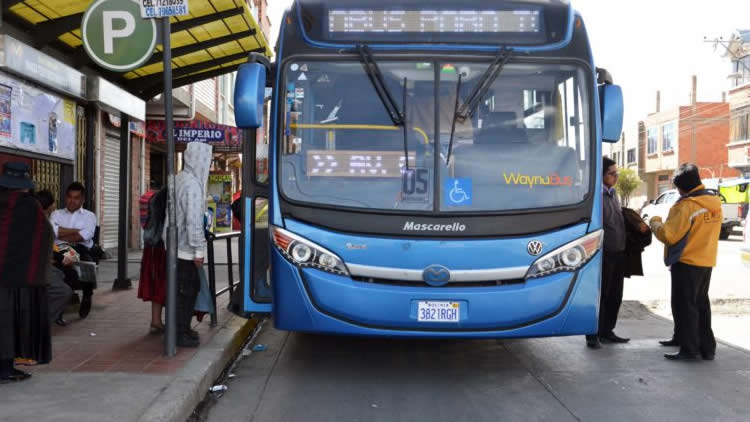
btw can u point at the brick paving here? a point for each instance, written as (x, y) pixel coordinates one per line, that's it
(115, 337)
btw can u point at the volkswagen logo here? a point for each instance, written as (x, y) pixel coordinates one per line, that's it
(436, 275)
(534, 248)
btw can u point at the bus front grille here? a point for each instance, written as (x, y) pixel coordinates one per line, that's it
(491, 283)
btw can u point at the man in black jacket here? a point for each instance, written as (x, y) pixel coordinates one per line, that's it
(613, 261)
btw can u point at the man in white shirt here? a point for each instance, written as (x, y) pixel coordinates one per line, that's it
(76, 226)
(73, 224)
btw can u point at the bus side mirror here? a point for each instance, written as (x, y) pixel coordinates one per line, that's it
(613, 109)
(249, 93)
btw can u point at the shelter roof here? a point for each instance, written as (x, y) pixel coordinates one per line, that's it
(215, 39)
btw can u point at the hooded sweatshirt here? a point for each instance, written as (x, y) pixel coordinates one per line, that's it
(700, 218)
(190, 191)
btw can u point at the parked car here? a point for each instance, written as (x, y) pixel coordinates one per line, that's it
(745, 250)
(660, 207)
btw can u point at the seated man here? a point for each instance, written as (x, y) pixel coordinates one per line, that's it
(76, 226)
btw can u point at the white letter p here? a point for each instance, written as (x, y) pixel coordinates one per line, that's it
(110, 34)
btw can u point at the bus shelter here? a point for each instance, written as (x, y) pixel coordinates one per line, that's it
(214, 39)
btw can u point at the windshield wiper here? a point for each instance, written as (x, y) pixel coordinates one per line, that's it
(376, 77)
(391, 107)
(455, 117)
(469, 107)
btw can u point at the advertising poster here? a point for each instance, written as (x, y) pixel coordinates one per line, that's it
(220, 201)
(5, 112)
(35, 120)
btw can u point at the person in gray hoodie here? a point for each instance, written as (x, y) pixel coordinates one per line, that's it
(190, 192)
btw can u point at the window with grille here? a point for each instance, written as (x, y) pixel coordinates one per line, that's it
(667, 137)
(653, 139)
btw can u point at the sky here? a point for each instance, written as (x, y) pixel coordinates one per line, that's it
(650, 45)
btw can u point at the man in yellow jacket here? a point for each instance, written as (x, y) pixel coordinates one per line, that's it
(691, 239)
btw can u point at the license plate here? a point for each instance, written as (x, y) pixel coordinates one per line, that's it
(432, 311)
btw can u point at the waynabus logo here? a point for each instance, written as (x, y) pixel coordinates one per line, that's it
(411, 226)
(531, 181)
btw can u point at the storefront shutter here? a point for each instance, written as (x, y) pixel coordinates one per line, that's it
(111, 195)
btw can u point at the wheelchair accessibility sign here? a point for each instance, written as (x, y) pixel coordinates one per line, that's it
(457, 192)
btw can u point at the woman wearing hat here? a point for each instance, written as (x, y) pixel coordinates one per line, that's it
(25, 254)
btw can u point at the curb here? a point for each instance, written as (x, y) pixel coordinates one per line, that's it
(187, 389)
(718, 303)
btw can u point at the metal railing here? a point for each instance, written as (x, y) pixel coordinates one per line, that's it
(212, 238)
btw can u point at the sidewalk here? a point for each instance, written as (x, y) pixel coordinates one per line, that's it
(108, 366)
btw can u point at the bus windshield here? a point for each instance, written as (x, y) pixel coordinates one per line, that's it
(526, 146)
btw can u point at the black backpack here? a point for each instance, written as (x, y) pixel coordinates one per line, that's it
(157, 215)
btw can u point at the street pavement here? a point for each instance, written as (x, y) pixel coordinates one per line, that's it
(304, 377)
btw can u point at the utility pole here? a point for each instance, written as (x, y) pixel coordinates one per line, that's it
(694, 102)
(720, 42)
(170, 343)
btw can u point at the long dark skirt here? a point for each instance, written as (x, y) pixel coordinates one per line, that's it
(152, 287)
(24, 324)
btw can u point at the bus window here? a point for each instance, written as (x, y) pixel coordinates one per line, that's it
(531, 144)
(340, 146)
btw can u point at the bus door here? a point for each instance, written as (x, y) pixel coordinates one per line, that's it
(254, 293)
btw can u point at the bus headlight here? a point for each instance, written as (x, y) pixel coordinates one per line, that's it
(301, 253)
(569, 257)
(306, 254)
(328, 261)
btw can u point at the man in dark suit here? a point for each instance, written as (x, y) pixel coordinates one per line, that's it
(613, 261)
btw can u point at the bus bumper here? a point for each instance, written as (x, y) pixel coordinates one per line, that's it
(314, 301)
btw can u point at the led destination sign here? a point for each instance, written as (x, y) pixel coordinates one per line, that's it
(434, 21)
(356, 163)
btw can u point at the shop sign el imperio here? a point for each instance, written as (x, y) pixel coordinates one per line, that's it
(220, 136)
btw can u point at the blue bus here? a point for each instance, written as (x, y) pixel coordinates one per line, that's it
(434, 170)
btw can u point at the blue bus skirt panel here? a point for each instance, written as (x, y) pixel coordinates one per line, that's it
(313, 301)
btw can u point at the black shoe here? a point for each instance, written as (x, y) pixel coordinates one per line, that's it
(186, 341)
(61, 321)
(85, 308)
(613, 338)
(670, 343)
(19, 374)
(14, 376)
(708, 356)
(681, 356)
(592, 342)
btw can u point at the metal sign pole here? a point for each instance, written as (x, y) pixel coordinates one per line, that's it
(170, 338)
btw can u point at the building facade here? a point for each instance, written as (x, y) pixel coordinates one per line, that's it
(697, 133)
(739, 102)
